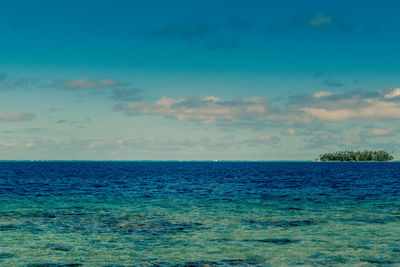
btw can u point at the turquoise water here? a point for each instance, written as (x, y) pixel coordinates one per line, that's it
(199, 214)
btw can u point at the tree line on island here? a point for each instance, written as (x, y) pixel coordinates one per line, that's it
(365, 155)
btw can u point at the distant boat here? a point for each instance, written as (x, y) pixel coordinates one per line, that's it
(214, 158)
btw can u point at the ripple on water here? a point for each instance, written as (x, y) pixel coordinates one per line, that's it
(276, 241)
(156, 227)
(383, 220)
(6, 256)
(9, 227)
(284, 223)
(323, 259)
(54, 265)
(52, 247)
(242, 262)
(379, 261)
(224, 262)
(197, 264)
(87, 222)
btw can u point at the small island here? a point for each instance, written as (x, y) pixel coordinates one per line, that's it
(365, 155)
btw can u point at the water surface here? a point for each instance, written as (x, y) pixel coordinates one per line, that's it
(199, 213)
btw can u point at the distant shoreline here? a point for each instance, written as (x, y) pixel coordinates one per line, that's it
(199, 161)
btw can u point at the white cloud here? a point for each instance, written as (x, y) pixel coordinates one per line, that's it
(87, 83)
(16, 117)
(212, 98)
(96, 143)
(9, 144)
(393, 93)
(264, 137)
(329, 115)
(322, 106)
(206, 110)
(380, 132)
(290, 131)
(354, 106)
(30, 144)
(322, 94)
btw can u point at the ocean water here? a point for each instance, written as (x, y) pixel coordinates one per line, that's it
(199, 214)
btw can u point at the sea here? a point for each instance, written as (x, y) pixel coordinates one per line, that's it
(199, 214)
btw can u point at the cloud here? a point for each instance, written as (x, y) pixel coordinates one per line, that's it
(7, 83)
(318, 21)
(30, 144)
(30, 131)
(329, 115)
(290, 131)
(323, 106)
(62, 121)
(5, 117)
(86, 83)
(264, 137)
(380, 132)
(333, 83)
(374, 105)
(354, 105)
(322, 94)
(207, 110)
(364, 109)
(392, 93)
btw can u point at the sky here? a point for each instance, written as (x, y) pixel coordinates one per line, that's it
(184, 80)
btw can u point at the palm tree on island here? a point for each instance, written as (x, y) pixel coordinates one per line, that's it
(365, 155)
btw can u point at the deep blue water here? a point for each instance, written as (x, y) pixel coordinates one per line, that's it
(199, 213)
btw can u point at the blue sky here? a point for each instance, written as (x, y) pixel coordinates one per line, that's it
(166, 80)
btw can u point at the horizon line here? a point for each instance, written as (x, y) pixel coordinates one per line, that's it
(84, 160)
